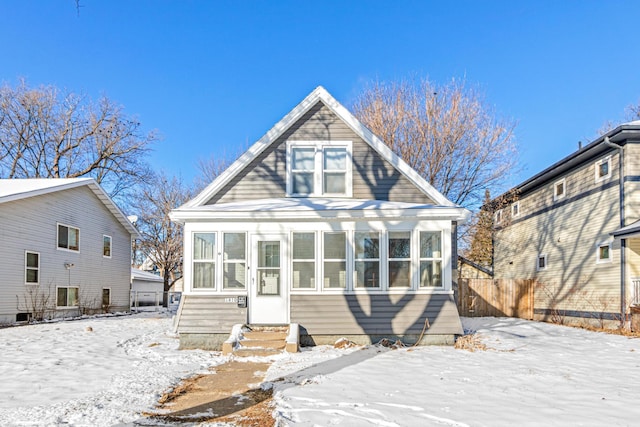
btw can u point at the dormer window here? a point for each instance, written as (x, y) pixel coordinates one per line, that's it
(319, 168)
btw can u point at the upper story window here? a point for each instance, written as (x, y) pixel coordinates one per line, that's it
(603, 169)
(68, 237)
(604, 253)
(106, 246)
(515, 209)
(498, 216)
(559, 189)
(541, 264)
(321, 168)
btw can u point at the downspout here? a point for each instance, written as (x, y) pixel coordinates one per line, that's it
(623, 242)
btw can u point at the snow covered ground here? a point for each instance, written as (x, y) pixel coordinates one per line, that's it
(106, 371)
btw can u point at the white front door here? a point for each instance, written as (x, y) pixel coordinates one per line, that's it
(268, 302)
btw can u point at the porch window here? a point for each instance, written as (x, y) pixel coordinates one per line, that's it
(367, 259)
(32, 268)
(335, 260)
(234, 263)
(321, 168)
(430, 259)
(204, 264)
(68, 237)
(399, 259)
(304, 260)
(67, 297)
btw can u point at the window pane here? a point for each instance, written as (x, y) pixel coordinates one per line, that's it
(399, 274)
(204, 245)
(106, 250)
(106, 297)
(234, 246)
(302, 159)
(32, 260)
(62, 297)
(335, 245)
(269, 254)
(204, 274)
(400, 244)
(335, 274)
(72, 297)
(604, 252)
(302, 183)
(367, 245)
(74, 237)
(235, 276)
(304, 245)
(32, 276)
(367, 274)
(431, 274)
(603, 169)
(335, 159)
(430, 244)
(63, 236)
(269, 282)
(304, 274)
(334, 182)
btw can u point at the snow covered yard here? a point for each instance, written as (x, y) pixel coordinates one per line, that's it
(532, 374)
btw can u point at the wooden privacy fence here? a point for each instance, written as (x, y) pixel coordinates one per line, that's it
(495, 297)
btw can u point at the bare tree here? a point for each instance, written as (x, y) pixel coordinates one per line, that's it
(209, 169)
(46, 134)
(447, 133)
(161, 240)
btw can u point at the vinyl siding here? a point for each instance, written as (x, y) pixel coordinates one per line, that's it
(632, 186)
(568, 231)
(31, 224)
(209, 314)
(367, 314)
(373, 177)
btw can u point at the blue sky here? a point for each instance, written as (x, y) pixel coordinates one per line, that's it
(213, 77)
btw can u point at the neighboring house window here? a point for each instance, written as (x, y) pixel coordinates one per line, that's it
(67, 297)
(106, 246)
(235, 261)
(603, 169)
(304, 261)
(559, 189)
(430, 259)
(204, 264)
(542, 262)
(32, 268)
(399, 259)
(335, 260)
(106, 297)
(604, 253)
(515, 209)
(498, 216)
(68, 237)
(319, 168)
(367, 259)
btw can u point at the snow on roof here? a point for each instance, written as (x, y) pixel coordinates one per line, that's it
(16, 189)
(145, 275)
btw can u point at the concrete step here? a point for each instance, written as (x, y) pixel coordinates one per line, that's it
(253, 343)
(255, 352)
(264, 335)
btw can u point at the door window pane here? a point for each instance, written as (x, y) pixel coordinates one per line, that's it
(268, 271)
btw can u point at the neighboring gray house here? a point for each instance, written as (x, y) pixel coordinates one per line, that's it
(574, 228)
(319, 223)
(66, 248)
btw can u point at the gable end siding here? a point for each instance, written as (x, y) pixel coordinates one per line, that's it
(374, 178)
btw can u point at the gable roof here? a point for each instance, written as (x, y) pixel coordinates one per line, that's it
(319, 94)
(16, 189)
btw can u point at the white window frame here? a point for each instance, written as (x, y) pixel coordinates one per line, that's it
(26, 268)
(546, 262)
(110, 246)
(498, 217)
(440, 258)
(233, 261)
(347, 265)
(380, 260)
(318, 171)
(67, 306)
(599, 259)
(213, 259)
(607, 161)
(102, 297)
(316, 258)
(557, 196)
(58, 225)
(409, 259)
(515, 209)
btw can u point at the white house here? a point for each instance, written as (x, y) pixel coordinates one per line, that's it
(65, 249)
(146, 288)
(319, 223)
